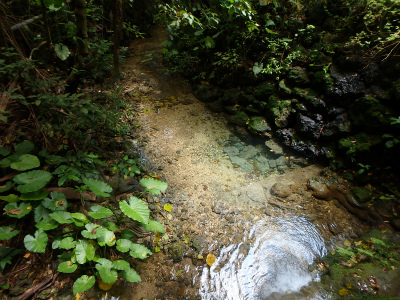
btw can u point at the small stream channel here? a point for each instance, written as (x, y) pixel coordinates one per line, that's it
(238, 199)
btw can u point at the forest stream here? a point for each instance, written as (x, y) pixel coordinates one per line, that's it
(231, 197)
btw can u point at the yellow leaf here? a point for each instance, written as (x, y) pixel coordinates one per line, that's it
(348, 286)
(210, 259)
(200, 256)
(77, 296)
(103, 286)
(343, 292)
(167, 207)
(347, 243)
(27, 255)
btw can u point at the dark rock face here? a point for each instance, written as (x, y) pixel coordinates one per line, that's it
(207, 93)
(309, 127)
(346, 84)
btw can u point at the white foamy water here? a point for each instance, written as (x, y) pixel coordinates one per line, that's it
(273, 257)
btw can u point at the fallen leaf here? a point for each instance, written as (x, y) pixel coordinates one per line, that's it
(167, 207)
(210, 259)
(343, 292)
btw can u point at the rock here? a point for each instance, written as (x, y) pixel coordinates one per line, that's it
(217, 106)
(231, 151)
(243, 164)
(199, 243)
(369, 112)
(231, 97)
(281, 190)
(362, 194)
(284, 89)
(262, 164)
(309, 127)
(207, 93)
(346, 84)
(239, 118)
(322, 81)
(249, 152)
(264, 90)
(259, 125)
(274, 146)
(340, 124)
(256, 193)
(64, 294)
(175, 251)
(298, 76)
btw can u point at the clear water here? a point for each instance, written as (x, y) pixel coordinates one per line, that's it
(273, 258)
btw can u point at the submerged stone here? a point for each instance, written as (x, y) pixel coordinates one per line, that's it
(259, 125)
(176, 251)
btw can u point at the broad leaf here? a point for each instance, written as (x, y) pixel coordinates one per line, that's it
(93, 231)
(6, 255)
(121, 264)
(7, 232)
(67, 243)
(139, 251)
(62, 51)
(4, 151)
(55, 159)
(154, 225)
(36, 243)
(105, 262)
(84, 251)
(107, 237)
(99, 188)
(153, 186)
(25, 162)
(32, 181)
(47, 224)
(106, 274)
(67, 267)
(99, 212)
(16, 210)
(112, 226)
(83, 283)
(79, 219)
(10, 198)
(57, 201)
(127, 234)
(62, 217)
(39, 195)
(136, 209)
(5, 187)
(24, 147)
(131, 275)
(41, 212)
(124, 245)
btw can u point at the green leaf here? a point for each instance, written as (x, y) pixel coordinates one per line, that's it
(46, 224)
(105, 262)
(7, 232)
(99, 188)
(84, 251)
(136, 210)
(131, 275)
(93, 231)
(106, 274)
(32, 181)
(154, 226)
(67, 243)
(139, 251)
(79, 218)
(112, 226)
(62, 217)
(4, 151)
(67, 267)
(10, 198)
(41, 212)
(6, 254)
(99, 212)
(127, 234)
(62, 51)
(124, 245)
(25, 162)
(257, 68)
(36, 243)
(6, 187)
(55, 159)
(56, 243)
(24, 147)
(39, 195)
(56, 202)
(121, 264)
(83, 283)
(107, 237)
(153, 186)
(17, 211)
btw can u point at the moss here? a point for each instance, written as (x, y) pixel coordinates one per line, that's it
(359, 143)
(258, 125)
(322, 81)
(239, 118)
(264, 90)
(362, 194)
(176, 251)
(370, 113)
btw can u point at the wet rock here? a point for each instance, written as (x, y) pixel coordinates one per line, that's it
(216, 106)
(284, 89)
(282, 113)
(199, 243)
(340, 124)
(256, 193)
(281, 161)
(64, 294)
(239, 118)
(264, 90)
(369, 112)
(231, 151)
(309, 127)
(207, 93)
(298, 76)
(259, 125)
(242, 163)
(248, 152)
(362, 194)
(274, 146)
(346, 84)
(219, 208)
(322, 81)
(175, 251)
(262, 164)
(281, 190)
(231, 97)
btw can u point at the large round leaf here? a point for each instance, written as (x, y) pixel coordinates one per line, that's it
(131, 275)
(93, 231)
(36, 243)
(120, 264)
(62, 217)
(124, 245)
(7, 232)
(46, 224)
(99, 212)
(83, 283)
(106, 274)
(153, 186)
(67, 243)
(16, 210)
(154, 225)
(67, 267)
(107, 237)
(84, 251)
(10, 198)
(32, 181)
(136, 209)
(100, 188)
(139, 251)
(57, 201)
(25, 162)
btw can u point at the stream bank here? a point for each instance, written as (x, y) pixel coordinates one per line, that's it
(231, 197)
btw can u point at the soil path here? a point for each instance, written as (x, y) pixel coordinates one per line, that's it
(214, 202)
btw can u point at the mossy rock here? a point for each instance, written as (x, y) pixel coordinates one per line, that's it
(264, 90)
(207, 93)
(176, 251)
(306, 93)
(284, 88)
(362, 194)
(239, 118)
(361, 142)
(369, 112)
(322, 81)
(258, 125)
(231, 97)
(298, 76)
